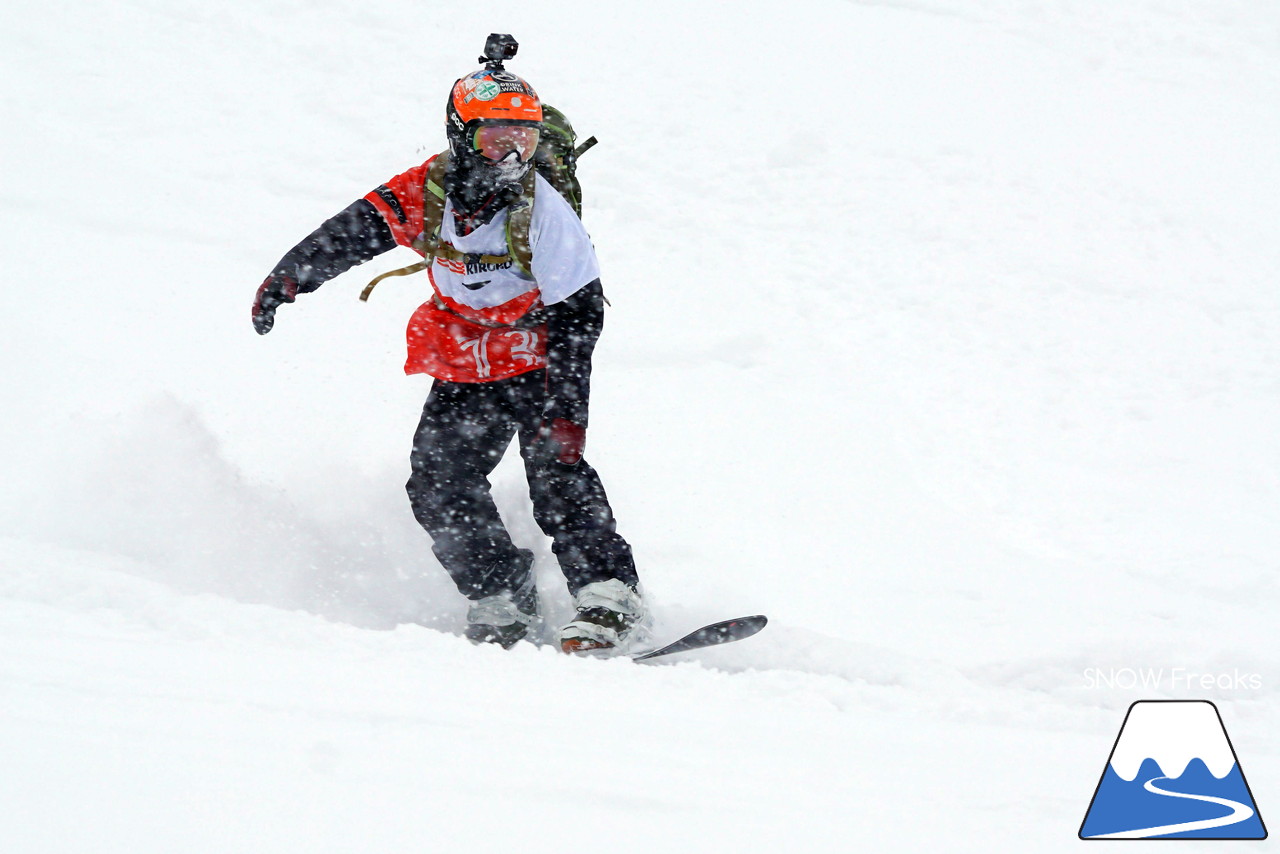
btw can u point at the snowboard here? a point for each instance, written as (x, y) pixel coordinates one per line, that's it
(725, 631)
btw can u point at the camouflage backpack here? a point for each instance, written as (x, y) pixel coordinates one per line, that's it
(557, 156)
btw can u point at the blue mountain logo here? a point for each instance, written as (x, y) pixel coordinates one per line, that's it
(1173, 774)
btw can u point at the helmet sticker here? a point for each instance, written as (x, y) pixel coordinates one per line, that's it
(486, 90)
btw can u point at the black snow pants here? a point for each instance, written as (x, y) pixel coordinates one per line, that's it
(465, 429)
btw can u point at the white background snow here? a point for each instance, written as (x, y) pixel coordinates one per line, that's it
(944, 333)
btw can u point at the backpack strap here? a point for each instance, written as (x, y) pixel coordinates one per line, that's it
(403, 271)
(519, 220)
(432, 205)
(432, 218)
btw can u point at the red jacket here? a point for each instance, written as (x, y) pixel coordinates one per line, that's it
(447, 338)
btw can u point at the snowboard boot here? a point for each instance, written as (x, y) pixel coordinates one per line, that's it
(611, 618)
(506, 617)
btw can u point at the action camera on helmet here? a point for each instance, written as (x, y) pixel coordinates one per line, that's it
(498, 48)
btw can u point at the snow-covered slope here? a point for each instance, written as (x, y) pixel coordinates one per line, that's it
(943, 333)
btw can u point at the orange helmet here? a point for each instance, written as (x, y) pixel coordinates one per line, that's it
(490, 96)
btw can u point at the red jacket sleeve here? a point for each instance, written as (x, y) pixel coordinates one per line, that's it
(399, 201)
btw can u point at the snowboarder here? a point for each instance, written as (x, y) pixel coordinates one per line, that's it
(508, 336)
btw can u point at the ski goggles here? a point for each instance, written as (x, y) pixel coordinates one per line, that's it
(497, 141)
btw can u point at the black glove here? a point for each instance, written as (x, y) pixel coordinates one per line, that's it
(275, 290)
